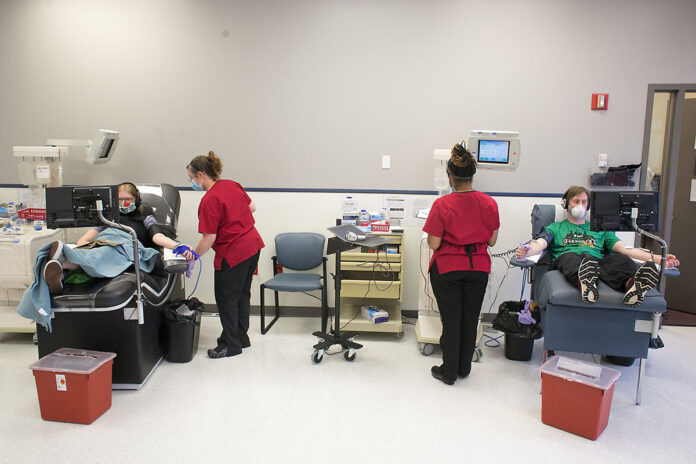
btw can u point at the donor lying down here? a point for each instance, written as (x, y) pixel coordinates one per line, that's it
(100, 253)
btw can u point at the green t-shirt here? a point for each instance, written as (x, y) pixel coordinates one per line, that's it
(578, 238)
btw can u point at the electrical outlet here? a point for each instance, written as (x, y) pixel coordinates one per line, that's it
(603, 161)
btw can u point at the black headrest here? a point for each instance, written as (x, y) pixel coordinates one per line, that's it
(164, 199)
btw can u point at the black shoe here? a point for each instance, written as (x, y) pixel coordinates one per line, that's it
(588, 273)
(221, 352)
(619, 360)
(437, 373)
(646, 278)
(244, 340)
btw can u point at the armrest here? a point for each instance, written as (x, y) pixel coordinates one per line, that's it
(526, 264)
(173, 264)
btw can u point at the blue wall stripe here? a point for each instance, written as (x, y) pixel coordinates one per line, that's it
(341, 190)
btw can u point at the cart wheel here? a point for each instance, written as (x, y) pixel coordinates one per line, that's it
(427, 349)
(348, 356)
(317, 356)
(478, 354)
(399, 334)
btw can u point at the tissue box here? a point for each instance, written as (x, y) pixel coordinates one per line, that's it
(374, 314)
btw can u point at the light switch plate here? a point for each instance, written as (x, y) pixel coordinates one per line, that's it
(386, 161)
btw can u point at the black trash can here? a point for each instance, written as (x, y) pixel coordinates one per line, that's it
(182, 327)
(518, 347)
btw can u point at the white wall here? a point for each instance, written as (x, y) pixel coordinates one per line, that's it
(311, 93)
(314, 212)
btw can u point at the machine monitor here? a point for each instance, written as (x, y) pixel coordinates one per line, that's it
(103, 146)
(495, 149)
(611, 210)
(77, 206)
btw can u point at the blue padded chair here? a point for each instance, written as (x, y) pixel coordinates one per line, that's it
(297, 251)
(606, 327)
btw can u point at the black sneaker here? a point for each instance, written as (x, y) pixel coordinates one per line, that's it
(587, 275)
(53, 275)
(646, 278)
(221, 352)
(437, 373)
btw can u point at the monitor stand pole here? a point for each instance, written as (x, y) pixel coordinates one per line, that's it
(345, 339)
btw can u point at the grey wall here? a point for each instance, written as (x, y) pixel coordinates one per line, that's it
(310, 93)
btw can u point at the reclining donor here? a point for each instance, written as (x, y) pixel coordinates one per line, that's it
(583, 256)
(100, 252)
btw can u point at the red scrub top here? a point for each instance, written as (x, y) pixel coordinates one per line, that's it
(224, 211)
(460, 219)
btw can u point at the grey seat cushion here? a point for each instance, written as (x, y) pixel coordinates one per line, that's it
(555, 289)
(289, 282)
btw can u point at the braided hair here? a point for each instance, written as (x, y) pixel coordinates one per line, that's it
(461, 165)
(211, 165)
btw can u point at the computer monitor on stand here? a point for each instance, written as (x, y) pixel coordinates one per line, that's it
(68, 207)
(613, 210)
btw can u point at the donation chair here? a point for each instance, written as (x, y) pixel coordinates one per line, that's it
(297, 251)
(102, 315)
(606, 327)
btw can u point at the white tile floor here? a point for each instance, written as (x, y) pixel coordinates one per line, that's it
(271, 404)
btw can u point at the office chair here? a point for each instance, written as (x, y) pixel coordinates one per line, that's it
(606, 327)
(297, 251)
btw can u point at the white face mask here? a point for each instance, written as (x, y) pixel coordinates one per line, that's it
(578, 212)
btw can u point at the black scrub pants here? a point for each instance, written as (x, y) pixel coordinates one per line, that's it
(615, 270)
(459, 296)
(233, 299)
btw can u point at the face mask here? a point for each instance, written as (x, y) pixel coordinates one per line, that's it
(126, 206)
(195, 186)
(578, 212)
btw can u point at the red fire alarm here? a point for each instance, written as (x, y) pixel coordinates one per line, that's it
(600, 101)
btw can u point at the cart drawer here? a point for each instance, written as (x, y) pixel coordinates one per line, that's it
(383, 257)
(377, 289)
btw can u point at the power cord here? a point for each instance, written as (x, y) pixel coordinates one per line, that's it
(373, 279)
(200, 269)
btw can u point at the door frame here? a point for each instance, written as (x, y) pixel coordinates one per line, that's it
(671, 152)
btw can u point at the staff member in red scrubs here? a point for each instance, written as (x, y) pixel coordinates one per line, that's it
(460, 228)
(226, 222)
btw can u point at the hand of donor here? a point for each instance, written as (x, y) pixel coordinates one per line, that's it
(522, 250)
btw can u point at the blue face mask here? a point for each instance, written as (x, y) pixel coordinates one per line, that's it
(195, 186)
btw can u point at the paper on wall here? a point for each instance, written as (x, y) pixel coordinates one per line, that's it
(396, 205)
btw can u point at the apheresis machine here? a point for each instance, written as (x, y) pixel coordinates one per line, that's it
(39, 167)
(492, 149)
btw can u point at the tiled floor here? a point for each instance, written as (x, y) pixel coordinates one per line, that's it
(271, 404)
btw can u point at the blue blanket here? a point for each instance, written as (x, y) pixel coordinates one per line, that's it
(102, 261)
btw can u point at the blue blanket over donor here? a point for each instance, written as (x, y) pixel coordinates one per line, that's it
(100, 261)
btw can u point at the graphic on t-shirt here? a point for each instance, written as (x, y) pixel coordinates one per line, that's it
(580, 239)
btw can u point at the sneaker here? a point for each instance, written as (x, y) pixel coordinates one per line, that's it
(587, 275)
(437, 373)
(646, 278)
(56, 251)
(53, 275)
(221, 352)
